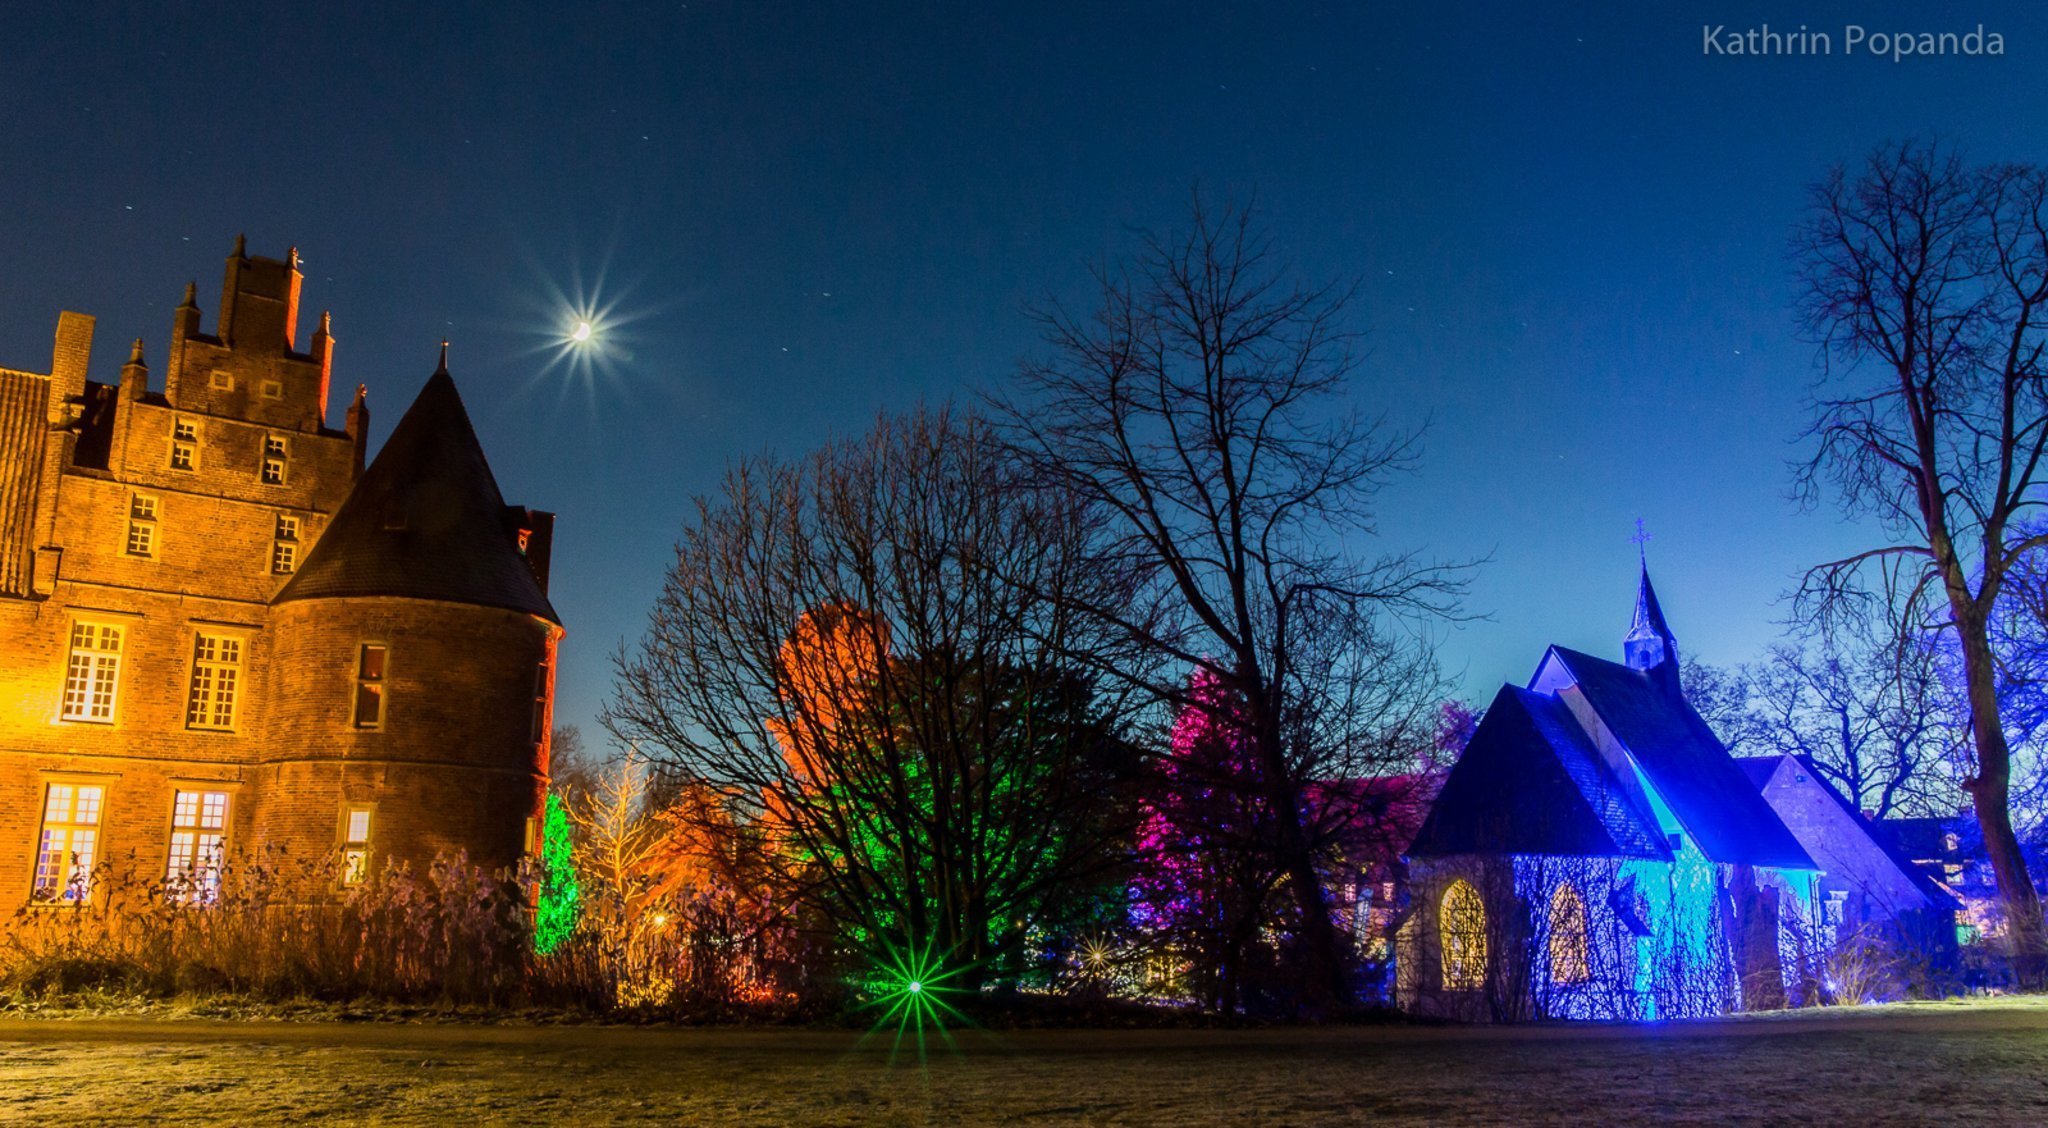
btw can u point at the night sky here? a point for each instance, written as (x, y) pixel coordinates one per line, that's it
(1570, 230)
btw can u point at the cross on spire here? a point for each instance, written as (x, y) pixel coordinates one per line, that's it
(1641, 539)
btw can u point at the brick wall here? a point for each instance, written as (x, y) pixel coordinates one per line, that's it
(455, 765)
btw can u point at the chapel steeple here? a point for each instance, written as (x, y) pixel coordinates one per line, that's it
(1649, 645)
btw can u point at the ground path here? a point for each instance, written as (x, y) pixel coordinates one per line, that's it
(1983, 1063)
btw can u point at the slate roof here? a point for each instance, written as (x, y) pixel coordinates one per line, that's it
(425, 521)
(1760, 769)
(1687, 764)
(1530, 782)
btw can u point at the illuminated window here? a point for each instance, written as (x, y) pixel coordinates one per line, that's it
(284, 550)
(199, 825)
(93, 673)
(1569, 959)
(216, 682)
(184, 445)
(1461, 924)
(275, 452)
(71, 835)
(355, 845)
(141, 525)
(371, 661)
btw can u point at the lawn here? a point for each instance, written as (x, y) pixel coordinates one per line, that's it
(1982, 1063)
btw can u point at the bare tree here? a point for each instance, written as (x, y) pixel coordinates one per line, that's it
(1924, 281)
(867, 655)
(1202, 406)
(1876, 719)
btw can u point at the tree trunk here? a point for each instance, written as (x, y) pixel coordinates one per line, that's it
(1989, 791)
(1324, 984)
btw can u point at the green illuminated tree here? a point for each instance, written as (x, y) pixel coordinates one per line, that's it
(854, 652)
(555, 915)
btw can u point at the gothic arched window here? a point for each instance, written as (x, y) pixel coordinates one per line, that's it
(1569, 962)
(1461, 926)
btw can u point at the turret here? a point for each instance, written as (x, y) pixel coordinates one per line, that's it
(134, 375)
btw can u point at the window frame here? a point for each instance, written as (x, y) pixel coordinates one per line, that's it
(71, 826)
(359, 681)
(98, 627)
(236, 685)
(1569, 944)
(205, 890)
(281, 459)
(284, 542)
(355, 851)
(1461, 937)
(189, 446)
(143, 522)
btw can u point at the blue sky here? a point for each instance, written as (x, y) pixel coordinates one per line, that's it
(1569, 226)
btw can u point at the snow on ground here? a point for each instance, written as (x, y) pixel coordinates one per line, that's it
(1979, 1063)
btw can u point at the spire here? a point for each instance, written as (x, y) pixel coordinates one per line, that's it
(191, 296)
(135, 354)
(1649, 645)
(241, 246)
(443, 369)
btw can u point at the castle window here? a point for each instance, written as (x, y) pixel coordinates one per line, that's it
(93, 672)
(1569, 958)
(141, 525)
(216, 682)
(64, 852)
(355, 845)
(184, 445)
(199, 822)
(543, 684)
(275, 453)
(284, 551)
(371, 660)
(273, 389)
(222, 381)
(1461, 925)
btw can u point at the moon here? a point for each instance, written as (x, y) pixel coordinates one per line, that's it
(581, 332)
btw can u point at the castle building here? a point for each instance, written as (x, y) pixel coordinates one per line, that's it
(225, 636)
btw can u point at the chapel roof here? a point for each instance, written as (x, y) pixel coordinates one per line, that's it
(1760, 769)
(1686, 763)
(425, 521)
(1530, 782)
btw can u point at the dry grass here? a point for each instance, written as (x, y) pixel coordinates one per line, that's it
(1979, 1063)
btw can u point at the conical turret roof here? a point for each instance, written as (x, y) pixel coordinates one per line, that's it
(425, 521)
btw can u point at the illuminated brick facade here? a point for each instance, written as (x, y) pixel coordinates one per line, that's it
(205, 593)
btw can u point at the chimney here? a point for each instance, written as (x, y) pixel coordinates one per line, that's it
(357, 427)
(69, 360)
(322, 352)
